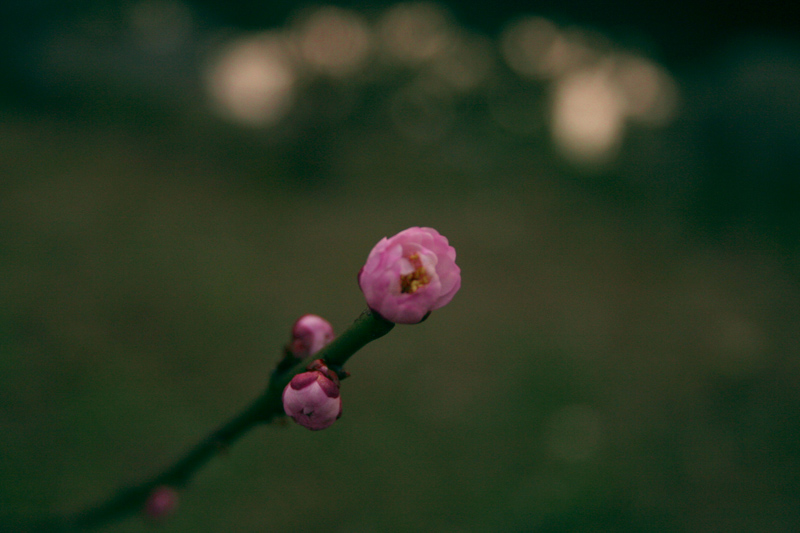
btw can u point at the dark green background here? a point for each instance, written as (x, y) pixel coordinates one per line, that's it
(623, 354)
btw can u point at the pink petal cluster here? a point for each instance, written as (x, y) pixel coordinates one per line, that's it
(161, 503)
(310, 334)
(409, 275)
(312, 399)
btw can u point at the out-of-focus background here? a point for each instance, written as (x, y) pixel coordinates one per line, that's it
(180, 180)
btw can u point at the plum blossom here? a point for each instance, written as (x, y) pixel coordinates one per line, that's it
(409, 275)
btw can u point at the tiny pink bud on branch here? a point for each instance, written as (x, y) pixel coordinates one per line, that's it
(161, 503)
(310, 334)
(409, 275)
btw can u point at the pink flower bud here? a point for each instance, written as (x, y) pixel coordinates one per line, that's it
(161, 503)
(409, 275)
(312, 400)
(310, 334)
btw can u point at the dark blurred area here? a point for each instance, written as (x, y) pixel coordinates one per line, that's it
(179, 181)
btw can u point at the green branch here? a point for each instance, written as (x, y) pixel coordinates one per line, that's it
(368, 327)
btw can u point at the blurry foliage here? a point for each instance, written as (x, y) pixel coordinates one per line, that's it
(622, 356)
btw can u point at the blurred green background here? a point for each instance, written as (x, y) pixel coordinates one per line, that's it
(179, 181)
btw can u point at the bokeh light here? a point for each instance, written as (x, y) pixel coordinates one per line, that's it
(588, 116)
(334, 41)
(251, 80)
(650, 93)
(465, 65)
(537, 48)
(416, 32)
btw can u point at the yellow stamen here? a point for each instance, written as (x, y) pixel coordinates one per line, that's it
(416, 279)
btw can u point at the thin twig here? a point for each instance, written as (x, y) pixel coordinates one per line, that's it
(368, 327)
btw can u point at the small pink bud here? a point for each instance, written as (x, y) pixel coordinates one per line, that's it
(310, 334)
(161, 503)
(312, 400)
(409, 275)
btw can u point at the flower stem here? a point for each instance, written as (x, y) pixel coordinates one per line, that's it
(368, 327)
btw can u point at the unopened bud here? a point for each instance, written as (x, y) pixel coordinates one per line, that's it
(312, 399)
(310, 334)
(161, 503)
